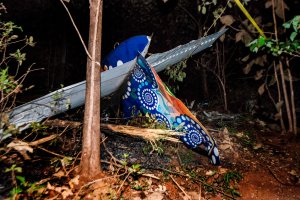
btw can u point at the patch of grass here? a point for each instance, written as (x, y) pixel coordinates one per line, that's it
(226, 184)
(230, 181)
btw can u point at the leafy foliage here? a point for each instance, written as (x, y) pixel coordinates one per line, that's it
(281, 50)
(12, 58)
(176, 74)
(291, 46)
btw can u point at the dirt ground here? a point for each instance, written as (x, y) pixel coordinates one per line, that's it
(268, 162)
(257, 163)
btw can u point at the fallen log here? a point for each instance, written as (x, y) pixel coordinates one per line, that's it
(148, 134)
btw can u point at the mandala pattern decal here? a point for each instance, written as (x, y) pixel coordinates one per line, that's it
(160, 118)
(147, 94)
(138, 75)
(148, 98)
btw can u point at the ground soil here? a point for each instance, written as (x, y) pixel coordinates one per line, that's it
(267, 162)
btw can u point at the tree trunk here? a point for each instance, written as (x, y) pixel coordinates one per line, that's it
(286, 98)
(203, 72)
(90, 158)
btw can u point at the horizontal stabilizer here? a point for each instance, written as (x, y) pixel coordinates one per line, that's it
(74, 95)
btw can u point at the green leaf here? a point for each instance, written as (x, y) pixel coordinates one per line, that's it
(199, 10)
(252, 43)
(30, 42)
(21, 179)
(293, 36)
(20, 57)
(261, 41)
(269, 43)
(18, 169)
(16, 191)
(136, 166)
(287, 25)
(13, 37)
(255, 49)
(203, 11)
(279, 51)
(296, 22)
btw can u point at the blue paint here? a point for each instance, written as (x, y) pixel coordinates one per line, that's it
(127, 50)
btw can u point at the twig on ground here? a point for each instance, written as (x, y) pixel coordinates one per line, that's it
(204, 183)
(182, 190)
(62, 123)
(73, 164)
(72, 169)
(200, 195)
(110, 163)
(90, 183)
(43, 140)
(150, 176)
(277, 179)
(53, 153)
(213, 130)
(43, 181)
(123, 182)
(110, 154)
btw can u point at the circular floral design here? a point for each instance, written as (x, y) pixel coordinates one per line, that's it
(194, 134)
(148, 98)
(138, 74)
(192, 139)
(162, 119)
(148, 70)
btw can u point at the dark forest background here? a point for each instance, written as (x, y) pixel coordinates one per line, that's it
(59, 52)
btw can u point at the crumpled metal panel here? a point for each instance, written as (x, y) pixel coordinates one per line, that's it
(66, 98)
(74, 95)
(162, 60)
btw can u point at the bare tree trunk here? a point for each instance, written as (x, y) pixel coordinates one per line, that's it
(203, 71)
(286, 98)
(204, 81)
(220, 74)
(284, 88)
(279, 109)
(90, 158)
(292, 99)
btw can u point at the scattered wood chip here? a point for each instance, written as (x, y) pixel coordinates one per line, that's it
(59, 174)
(19, 145)
(155, 196)
(74, 182)
(257, 146)
(210, 173)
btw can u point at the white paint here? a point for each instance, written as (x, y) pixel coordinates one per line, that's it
(119, 63)
(213, 159)
(216, 152)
